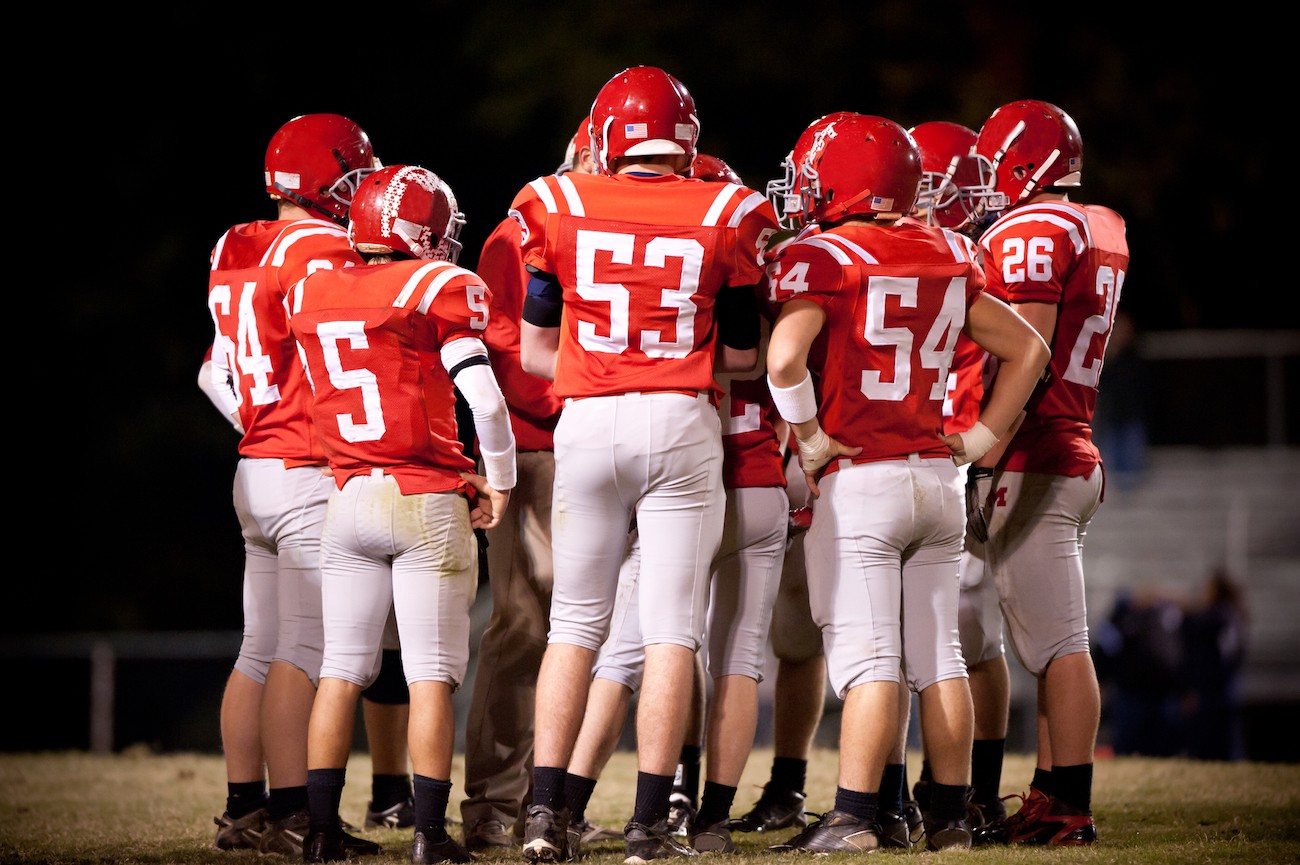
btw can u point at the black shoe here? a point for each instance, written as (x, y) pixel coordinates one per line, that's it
(426, 852)
(284, 837)
(243, 833)
(546, 834)
(681, 814)
(895, 834)
(335, 845)
(641, 843)
(399, 816)
(775, 809)
(487, 834)
(947, 835)
(713, 839)
(982, 818)
(835, 832)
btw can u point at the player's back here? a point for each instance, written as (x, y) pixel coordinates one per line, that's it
(1076, 257)
(641, 260)
(252, 266)
(895, 299)
(751, 452)
(531, 401)
(372, 338)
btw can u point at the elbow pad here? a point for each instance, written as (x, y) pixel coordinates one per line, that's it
(545, 301)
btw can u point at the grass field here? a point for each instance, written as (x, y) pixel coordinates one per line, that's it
(143, 808)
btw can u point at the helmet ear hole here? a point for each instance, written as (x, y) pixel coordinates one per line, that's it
(1031, 145)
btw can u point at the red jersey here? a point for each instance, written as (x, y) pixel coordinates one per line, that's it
(534, 407)
(641, 259)
(751, 453)
(253, 266)
(895, 299)
(1074, 256)
(371, 337)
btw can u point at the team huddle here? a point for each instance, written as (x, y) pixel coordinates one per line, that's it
(847, 416)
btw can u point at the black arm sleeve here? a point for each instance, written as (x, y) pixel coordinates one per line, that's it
(545, 301)
(737, 315)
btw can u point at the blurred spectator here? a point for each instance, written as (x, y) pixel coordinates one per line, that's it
(1119, 424)
(1214, 652)
(1138, 651)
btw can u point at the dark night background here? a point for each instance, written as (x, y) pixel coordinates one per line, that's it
(130, 525)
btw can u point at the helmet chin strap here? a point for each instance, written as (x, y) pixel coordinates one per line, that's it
(305, 204)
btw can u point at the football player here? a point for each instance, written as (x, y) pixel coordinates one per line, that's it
(388, 344)
(874, 302)
(1061, 265)
(313, 165)
(642, 277)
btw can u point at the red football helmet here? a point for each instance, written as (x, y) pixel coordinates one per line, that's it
(956, 182)
(858, 163)
(706, 167)
(316, 161)
(785, 194)
(406, 209)
(642, 111)
(1031, 145)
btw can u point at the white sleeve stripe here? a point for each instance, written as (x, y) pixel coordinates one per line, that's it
(719, 204)
(752, 201)
(571, 196)
(835, 252)
(411, 284)
(830, 241)
(544, 193)
(954, 244)
(1054, 214)
(439, 281)
(276, 254)
(218, 249)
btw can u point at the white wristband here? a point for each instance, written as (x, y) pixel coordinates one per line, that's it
(976, 442)
(796, 404)
(500, 468)
(815, 451)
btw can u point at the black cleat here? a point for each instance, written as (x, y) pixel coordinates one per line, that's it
(243, 833)
(399, 816)
(643, 843)
(835, 832)
(335, 845)
(426, 852)
(546, 834)
(775, 809)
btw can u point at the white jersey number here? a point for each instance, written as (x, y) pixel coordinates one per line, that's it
(936, 349)
(677, 298)
(331, 333)
(1084, 369)
(245, 355)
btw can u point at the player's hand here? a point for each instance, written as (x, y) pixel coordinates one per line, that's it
(816, 451)
(979, 486)
(490, 503)
(969, 445)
